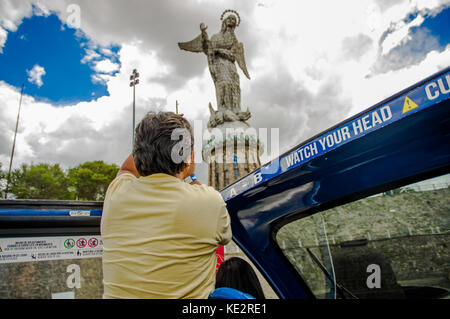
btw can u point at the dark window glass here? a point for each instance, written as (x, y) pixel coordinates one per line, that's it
(390, 245)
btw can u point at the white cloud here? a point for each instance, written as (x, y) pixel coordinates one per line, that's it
(12, 12)
(35, 75)
(100, 78)
(106, 66)
(90, 56)
(400, 34)
(107, 51)
(3, 36)
(377, 88)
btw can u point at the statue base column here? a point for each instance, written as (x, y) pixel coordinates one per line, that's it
(232, 151)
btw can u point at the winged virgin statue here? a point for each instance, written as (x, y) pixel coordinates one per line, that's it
(222, 51)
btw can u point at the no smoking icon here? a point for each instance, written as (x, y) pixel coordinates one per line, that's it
(93, 242)
(81, 243)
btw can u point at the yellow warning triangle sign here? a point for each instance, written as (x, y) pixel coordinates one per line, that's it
(409, 105)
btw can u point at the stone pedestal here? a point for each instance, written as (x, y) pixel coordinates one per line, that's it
(232, 151)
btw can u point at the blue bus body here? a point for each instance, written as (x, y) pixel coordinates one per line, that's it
(408, 147)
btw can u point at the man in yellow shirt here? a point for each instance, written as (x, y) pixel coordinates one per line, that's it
(160, 234)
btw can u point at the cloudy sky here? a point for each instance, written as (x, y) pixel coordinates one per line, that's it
(312, 64)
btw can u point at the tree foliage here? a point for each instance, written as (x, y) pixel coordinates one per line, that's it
(91, 179)
(2, 181)
(87, 181)
(41, 181)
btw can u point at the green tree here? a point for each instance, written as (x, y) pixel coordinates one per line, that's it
(41, 181)
(2, 181)
(90, 180)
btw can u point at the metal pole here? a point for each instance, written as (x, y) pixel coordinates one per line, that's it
(14, 144)
(134, 78)
(134, 110)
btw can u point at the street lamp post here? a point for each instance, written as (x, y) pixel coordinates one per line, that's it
(14, 144)
(134, 80)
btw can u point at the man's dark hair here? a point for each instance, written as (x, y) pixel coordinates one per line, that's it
(238, 274)
(154, 146)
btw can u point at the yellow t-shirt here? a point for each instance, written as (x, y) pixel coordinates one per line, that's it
(160, 237)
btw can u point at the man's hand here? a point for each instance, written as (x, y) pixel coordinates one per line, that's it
(190, 169)
(128, 167)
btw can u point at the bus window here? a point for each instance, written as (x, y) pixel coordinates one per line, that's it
(391, 245)
(52, 279)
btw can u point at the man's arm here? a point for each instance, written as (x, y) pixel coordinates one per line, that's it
(223, 234)
(128, 167)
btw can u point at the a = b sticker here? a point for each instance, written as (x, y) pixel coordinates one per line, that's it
(409, 105)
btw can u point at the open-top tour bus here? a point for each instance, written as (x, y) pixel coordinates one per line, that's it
(358, 211)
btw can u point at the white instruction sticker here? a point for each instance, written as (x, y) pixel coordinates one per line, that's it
(25, 249)
(80, 213)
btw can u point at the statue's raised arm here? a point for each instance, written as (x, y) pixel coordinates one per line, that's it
(199, 44)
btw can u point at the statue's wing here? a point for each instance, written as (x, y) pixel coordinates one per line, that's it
(239, 55)
(195, 45)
